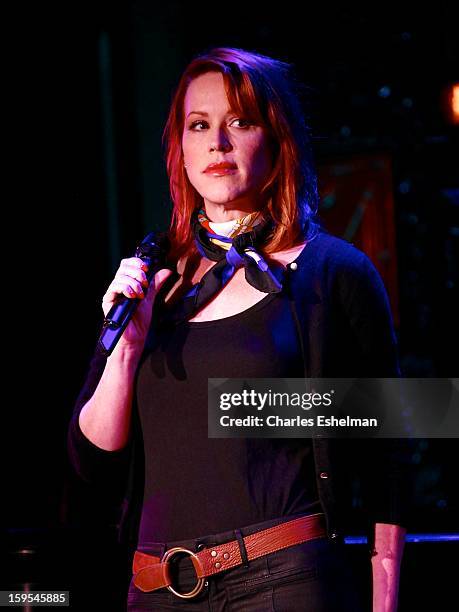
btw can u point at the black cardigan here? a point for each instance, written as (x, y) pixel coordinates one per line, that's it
(345, 326)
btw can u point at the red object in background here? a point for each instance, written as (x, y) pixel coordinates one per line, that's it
(357, 204)
(453, 98)
(450, 103)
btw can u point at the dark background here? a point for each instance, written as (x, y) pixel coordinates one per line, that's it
(91, 84)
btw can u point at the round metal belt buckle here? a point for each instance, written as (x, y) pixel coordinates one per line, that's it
(201, 581)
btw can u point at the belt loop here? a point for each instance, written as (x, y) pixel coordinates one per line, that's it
(242, 549)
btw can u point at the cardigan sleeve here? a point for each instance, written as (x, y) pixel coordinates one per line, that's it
(384, 463)
(366, 308)
(92, 463)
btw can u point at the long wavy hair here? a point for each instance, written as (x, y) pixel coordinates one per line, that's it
(265, 91)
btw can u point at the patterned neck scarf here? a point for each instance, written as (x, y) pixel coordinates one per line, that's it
(229, 229)
(232, 244)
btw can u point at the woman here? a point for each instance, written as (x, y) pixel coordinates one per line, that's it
(258, 291)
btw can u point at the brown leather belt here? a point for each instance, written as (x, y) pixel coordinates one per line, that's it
(151, 573)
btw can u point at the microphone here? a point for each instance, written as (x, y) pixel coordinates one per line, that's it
(153, 251)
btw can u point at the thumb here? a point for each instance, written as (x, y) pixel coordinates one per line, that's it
(160, 278)
(157, 282)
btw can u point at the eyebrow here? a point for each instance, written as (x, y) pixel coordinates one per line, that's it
(204, 114)
(198, 113)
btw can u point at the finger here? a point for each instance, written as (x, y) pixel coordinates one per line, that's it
(130, 289)
(130, 280)
(132, 272)
(140, 280)
(134, 262)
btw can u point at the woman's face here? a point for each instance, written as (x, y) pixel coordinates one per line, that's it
(214, 134)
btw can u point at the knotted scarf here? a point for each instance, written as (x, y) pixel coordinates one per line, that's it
(232, 244)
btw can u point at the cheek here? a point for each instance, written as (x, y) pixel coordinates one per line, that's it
(192, 157)
(259, 157)
(186, 148)
(191, 143)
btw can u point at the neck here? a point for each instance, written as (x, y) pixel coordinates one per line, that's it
(218, 213)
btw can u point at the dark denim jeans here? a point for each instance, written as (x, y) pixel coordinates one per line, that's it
(315, 576)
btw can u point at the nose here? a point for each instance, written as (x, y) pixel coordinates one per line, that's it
(219, 141)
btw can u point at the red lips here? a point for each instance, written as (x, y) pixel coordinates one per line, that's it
(220, 166)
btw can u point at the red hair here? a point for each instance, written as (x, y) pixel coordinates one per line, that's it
(262, 90)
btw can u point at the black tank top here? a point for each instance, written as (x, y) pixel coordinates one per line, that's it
(194, 485)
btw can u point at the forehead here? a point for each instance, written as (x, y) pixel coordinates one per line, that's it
(205, 92)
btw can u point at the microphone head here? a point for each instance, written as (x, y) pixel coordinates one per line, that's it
(155, 246)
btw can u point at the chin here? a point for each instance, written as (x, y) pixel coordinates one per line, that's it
(223, 198)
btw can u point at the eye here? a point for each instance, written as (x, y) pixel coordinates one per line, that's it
(245, 123)
(195, 124)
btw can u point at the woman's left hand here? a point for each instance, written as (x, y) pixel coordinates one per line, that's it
(389, 544)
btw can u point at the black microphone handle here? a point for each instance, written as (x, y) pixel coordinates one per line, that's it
(121, 313)
(123, 309)
(125, 306)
